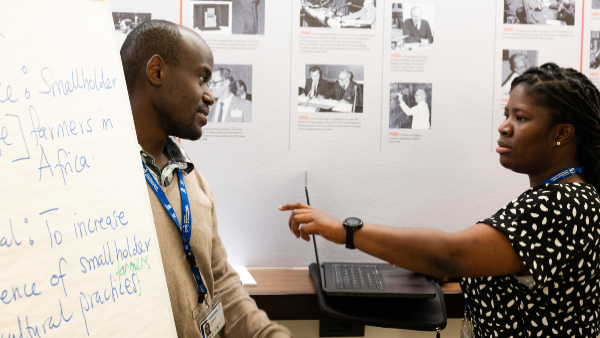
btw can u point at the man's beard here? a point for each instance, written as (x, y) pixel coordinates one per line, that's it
(183, 129)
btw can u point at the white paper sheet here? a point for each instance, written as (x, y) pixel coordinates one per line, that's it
(245, 276)
(78, 248)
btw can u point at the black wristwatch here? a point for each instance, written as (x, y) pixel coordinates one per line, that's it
(351, 224)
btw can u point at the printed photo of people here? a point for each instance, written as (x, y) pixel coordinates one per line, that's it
(229, 16)
(412, 27)
(231, 86)
(207, 331)
(539, 12)
(338, 13)
(595, 49)
(211, 17)
(331, 89)
(410, 105)
(515, 63)
(125, 22)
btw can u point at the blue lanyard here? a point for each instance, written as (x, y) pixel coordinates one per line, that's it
(563, 174)
(186, 230)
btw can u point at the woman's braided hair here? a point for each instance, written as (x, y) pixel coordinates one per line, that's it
(571, 98)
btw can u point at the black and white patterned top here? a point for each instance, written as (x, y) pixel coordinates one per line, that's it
(555, 229)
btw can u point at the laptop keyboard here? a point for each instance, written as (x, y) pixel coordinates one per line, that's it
(350, 276)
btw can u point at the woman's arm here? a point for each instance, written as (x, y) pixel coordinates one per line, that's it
(477, 251)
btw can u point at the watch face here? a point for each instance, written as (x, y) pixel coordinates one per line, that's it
(352, 221)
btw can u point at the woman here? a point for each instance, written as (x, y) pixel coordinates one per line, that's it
(550, 232)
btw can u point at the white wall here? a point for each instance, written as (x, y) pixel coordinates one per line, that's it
(449, 178)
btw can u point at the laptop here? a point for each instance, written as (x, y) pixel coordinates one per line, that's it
(369, 279)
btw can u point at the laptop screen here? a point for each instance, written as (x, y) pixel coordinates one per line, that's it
(313, 236)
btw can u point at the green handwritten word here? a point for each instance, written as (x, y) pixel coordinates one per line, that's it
(133, 266)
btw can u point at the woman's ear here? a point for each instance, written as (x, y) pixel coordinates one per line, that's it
(565, 133)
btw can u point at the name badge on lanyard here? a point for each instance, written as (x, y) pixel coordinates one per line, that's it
(185, 228)
(466, 329)
(564, 174)
(211, 320)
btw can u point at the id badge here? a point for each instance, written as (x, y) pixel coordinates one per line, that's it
(466, 329)
(211, 320)
(236, 113)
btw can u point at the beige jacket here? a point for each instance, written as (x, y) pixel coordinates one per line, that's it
(243, 318)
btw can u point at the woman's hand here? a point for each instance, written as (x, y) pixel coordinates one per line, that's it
(315, 222)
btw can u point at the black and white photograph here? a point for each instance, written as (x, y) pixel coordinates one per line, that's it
(412, 27)
(125, 23)
(211, 17)
(249, 17)
(410, 105)
(514, 63)
(338, 13)
(231, 86)
(595, 4)
(331, 89)
(229, 17)
(538, 12)
(595, 49)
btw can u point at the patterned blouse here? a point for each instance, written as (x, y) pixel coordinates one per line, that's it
(555, 230)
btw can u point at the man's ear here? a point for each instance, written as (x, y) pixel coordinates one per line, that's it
(155, 68)
(565, 133)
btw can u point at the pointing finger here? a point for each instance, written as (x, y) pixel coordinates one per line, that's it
(292, 206)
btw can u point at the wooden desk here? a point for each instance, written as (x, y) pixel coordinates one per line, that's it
(289, 294)
(398, 36)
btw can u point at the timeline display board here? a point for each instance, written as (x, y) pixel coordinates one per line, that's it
(78, 247)
(391, 106)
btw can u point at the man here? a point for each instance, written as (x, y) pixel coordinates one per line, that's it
(207, 329)
(228, 107)
(420, 112)
(519, 63)
(315, 86)
(364, 17)
(521, 15)
(518, 17)
(250, 16)
(242, 91)
(416, 28)
(346, 90)
(126, 25)
(167, 70)
(566, 12)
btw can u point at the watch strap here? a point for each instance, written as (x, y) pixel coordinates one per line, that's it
(350, 238)
(351, 224)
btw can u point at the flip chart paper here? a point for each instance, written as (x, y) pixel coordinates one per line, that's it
(78, 248)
